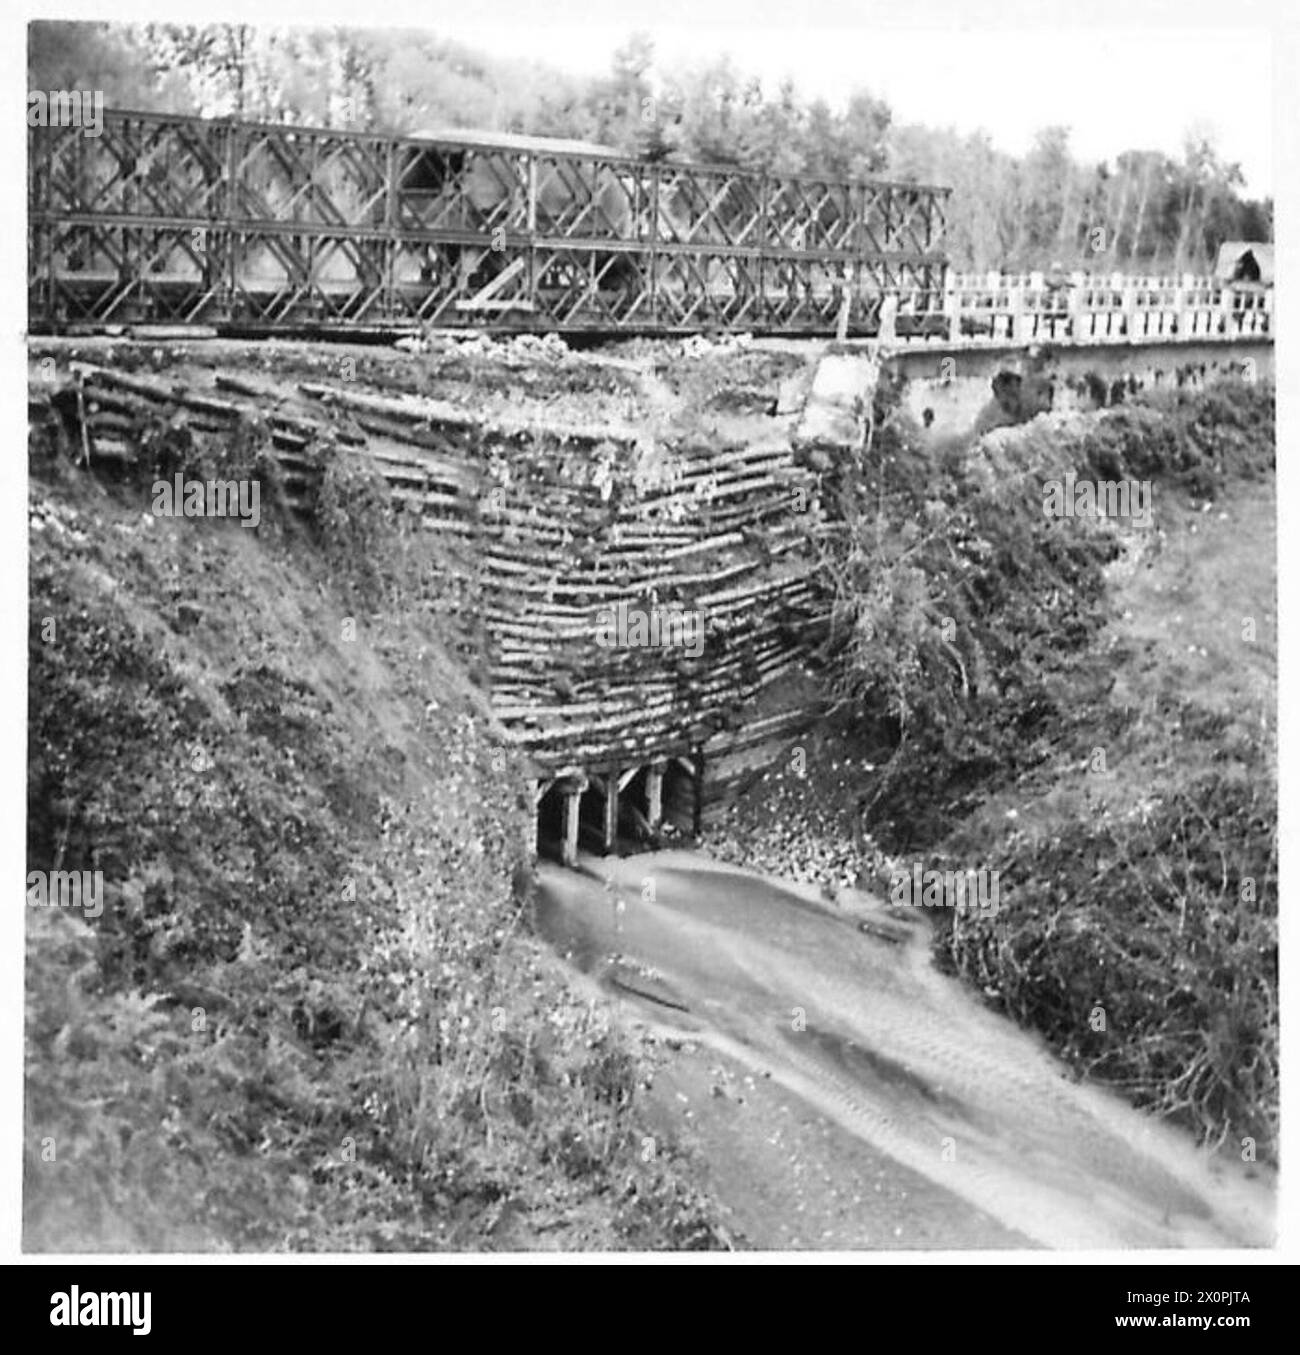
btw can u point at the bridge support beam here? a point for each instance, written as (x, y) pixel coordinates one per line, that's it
(609, 825)
(539, 791)
(572, 788)
(654, 794)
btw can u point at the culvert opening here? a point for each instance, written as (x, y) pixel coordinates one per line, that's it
(591, 818)
(623, 810)
(550, 823)
(680, 809)
(635, 826)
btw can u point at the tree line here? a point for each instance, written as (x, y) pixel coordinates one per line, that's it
(1146, 210)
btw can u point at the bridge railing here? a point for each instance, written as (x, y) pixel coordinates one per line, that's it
(1082, 308)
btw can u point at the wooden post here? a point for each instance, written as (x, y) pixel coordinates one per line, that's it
(654, 793)
(573, 787)
(569, 851)
(539, 794)
(611, 810)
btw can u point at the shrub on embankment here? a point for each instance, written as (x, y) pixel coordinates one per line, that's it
(966, 619)
(1141, 939)
(309, 1016)
(976, 659)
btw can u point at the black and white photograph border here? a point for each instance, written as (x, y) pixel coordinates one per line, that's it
(738, 719)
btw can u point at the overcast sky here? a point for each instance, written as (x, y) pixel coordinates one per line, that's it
(1116, 88)
(1008, 68)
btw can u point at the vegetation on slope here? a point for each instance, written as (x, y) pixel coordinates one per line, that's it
(310, 1015)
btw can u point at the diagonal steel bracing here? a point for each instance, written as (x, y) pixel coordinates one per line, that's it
(286, 228)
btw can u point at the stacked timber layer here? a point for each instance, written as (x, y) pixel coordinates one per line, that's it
(646, 592)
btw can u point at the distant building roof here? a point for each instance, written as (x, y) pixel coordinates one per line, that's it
(512, 141)
(1245, 261)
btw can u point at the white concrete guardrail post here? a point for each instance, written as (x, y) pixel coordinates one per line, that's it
(1015, 308)
(1087, 308)
(1076, 322)
(1129, 306)
(1224, 309)
(1034, 306)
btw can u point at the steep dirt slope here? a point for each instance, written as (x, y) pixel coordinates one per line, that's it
(307, 1017)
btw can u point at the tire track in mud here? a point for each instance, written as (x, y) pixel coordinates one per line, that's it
(892, 1103)
(900, 1056)
(1143, 1175)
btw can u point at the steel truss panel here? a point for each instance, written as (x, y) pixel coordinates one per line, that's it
(277, 227)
